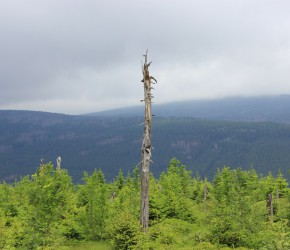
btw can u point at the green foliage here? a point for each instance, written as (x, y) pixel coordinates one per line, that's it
(46, 211)
(120, 180)
(12, 225)
(235, 221)
(92, 198)
(124, 231)
(174, 232)
(278, 235)
(100, 245)
(51, 212)
(175, 192)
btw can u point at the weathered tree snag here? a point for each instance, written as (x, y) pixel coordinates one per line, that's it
(146, 146)
(58, 163)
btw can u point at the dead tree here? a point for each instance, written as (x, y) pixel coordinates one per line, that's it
(58, 163)
(146, 146)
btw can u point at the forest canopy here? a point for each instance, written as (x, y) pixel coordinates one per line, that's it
(237, 209)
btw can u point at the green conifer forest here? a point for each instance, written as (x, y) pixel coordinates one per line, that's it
(237, 209)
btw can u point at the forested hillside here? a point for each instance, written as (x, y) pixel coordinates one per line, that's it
(205, 205)
(236, 210)
(254, 109)
(114, 143)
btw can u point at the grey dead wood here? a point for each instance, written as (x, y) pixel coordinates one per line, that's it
(146, 145)
(58, 163)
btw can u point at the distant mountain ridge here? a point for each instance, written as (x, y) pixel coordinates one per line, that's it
(96, 140)
(114, 142)
(253, 109)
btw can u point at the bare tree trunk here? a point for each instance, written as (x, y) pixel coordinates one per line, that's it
(146, 147)
(58, 163)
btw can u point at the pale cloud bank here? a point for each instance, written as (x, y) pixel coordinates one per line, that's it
(83, 56)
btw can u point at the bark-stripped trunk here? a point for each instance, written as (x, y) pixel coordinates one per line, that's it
(58, 163)
(146, 147)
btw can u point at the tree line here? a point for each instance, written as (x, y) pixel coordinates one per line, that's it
(236, 209)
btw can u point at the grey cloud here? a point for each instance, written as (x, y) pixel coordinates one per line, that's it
(57, 53)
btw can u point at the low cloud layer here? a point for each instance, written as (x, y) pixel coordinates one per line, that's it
(82, 56)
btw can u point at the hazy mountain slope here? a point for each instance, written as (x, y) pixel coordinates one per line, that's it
(113, 143)
(267, 108)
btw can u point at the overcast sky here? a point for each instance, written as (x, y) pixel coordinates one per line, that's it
(83, 56)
